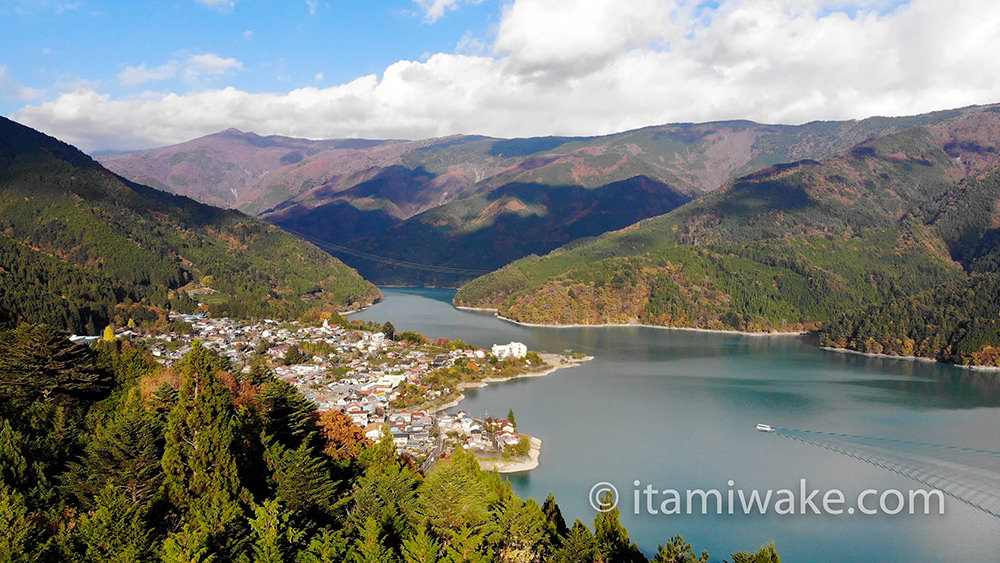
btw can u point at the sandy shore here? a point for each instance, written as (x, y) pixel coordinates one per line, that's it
(606, 325)
(515, 465)
(908, 358)
(554, 360)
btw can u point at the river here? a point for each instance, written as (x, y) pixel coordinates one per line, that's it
(677, 410)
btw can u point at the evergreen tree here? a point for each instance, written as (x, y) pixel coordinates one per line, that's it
(325, 547)
(124, 454)
(40, 361)
(115, 531)
(613, 543)
(554, 515)
(201, 472)
(510, 417)
(369, 548)
(579, 546)
(766, 554)
(275, 538)
(455, 494)
(678, 551)
(421, 547)
(389, 331)
(302, 481)
(522, 533)
(467, 546)
(386, 492)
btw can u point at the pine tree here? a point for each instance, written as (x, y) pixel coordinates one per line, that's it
(124, 454)
(510, 417)
(276, 539)
(40, 361)
(554, 515)
(678, 551)
(116, 530)
(21, 533)
(455, 494)
(613, 543)
(467, 546)
(421, 547)
(325, 547)
(766, 554)
(369, 548)
(579, 546)
(521, 531)
(303, 483)
(201, 471)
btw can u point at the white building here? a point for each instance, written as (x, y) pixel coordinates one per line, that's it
(515, 350)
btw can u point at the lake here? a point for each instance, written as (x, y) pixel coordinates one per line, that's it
(677, 410)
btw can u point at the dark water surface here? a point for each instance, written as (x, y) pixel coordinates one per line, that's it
(677, 410)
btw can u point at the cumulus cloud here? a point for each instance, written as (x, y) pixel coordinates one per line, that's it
(603, 66)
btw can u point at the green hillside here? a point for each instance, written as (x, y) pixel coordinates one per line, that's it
(788, 248)
(488, 230)
(83, 247)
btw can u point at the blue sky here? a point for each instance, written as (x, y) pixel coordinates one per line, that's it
(279, 44)
(125, 75)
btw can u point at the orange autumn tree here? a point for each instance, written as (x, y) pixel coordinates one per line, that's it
(344, 439)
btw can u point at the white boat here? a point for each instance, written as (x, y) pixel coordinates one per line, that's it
(765, 428)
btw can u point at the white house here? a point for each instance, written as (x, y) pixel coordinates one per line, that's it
(515, 350)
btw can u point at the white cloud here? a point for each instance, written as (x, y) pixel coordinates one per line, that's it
(221, 5)
(211, 64)
(139, 74)
(10, 90)
(616, 65)
(191, 69)
(319, 77)
(312, 5)
(435, 9)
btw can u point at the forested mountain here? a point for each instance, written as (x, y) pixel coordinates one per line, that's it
(468, 199)
(107, 456)
(794, 246)
(487, 231)
(82, 247)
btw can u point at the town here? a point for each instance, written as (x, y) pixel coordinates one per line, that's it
(384, 381)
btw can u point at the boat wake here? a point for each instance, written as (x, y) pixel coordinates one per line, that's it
(969, 475)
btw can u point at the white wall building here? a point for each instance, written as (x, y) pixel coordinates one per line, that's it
(514, 350)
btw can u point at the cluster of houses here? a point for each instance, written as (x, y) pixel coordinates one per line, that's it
(359, 374)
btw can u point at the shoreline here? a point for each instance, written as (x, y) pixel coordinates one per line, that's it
(505, 466)
(497, 314)
(909, 359)
(461, 387)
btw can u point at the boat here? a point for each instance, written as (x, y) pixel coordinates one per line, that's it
(765, 428)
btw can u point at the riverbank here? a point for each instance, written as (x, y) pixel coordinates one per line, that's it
(909, 359)
(497, 314)
(555, 361)
(515, 465)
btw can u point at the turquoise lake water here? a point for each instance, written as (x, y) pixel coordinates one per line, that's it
(677, 410)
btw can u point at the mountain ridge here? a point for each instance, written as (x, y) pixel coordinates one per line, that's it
(83, 246)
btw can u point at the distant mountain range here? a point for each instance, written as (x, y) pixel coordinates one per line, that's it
(81, 247)
(889, 247)
(470, 203)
